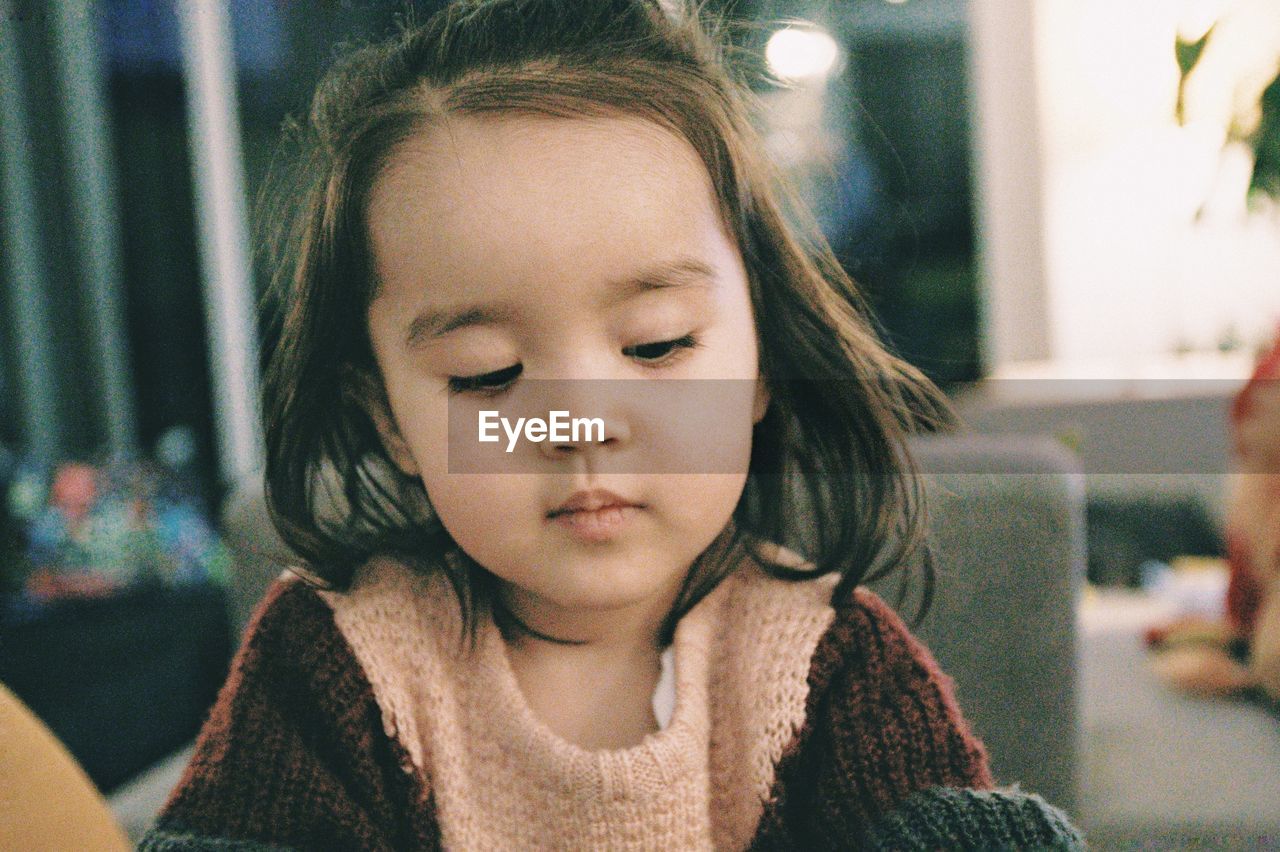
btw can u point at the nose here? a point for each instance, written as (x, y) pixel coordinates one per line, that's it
(586, 434)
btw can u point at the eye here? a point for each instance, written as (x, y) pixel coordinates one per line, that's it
(486, 383)
(660, 351)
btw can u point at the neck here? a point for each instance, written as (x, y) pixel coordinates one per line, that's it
(534, 625)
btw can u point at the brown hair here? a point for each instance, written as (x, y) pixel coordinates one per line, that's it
(830, 466)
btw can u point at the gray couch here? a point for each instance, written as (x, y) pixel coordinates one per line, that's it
(1007, 526)
(1159, 770)
(1007, 520)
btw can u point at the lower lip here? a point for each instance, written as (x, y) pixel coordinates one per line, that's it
(597, 524)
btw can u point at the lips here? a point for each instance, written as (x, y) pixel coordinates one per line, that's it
(592, 501)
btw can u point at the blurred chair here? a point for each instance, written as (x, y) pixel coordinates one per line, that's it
(259, 554)
(46, 800)
(1007, 529)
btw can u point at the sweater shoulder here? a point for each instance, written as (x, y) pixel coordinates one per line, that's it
(290, 614)
(293, 751)
(869, 641)
(291, 656)
(292, 644)
(859, 622)
(881, 723)
(862, 637)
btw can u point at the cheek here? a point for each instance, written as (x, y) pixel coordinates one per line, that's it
(721, 491)
(483, 512)
(706, 503)
(696, 427)
(419, 411)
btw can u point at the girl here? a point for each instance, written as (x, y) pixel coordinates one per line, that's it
(588, 641)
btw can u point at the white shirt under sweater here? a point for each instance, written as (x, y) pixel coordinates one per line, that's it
(664, 694)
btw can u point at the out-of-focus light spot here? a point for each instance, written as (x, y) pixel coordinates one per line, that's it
(801, 53)
(896, 2)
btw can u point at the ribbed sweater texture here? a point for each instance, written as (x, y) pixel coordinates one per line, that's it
(360, 721)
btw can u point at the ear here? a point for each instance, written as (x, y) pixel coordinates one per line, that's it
(762, 400)
(371, 394)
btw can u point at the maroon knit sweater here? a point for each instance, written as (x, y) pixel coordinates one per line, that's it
(295, 753)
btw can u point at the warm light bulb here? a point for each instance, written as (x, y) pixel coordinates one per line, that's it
(801, 53)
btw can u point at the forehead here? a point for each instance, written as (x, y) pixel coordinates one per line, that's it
(476, 204)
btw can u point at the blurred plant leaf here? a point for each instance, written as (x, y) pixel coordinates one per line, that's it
(1266, 144)
(1187, 53)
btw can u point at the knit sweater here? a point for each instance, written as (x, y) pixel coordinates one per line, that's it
(359, 720)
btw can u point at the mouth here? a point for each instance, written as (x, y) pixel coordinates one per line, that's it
(596, 501)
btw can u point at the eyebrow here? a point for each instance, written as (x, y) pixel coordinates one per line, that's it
(681, 273)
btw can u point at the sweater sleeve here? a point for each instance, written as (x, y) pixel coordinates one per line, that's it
(293, 754)
(974, 821)
(881, 724)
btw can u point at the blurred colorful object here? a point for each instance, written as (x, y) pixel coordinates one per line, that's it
(1239, 649)
(89, 530)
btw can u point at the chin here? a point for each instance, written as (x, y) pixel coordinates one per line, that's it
(599, 588)
(604, 594)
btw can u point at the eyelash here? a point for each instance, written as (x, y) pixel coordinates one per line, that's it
(671, 349)
(495, 382)
(486, 384)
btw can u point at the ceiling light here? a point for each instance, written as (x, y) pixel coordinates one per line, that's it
(801, 53)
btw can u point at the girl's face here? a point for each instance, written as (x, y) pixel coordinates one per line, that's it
(512, 250)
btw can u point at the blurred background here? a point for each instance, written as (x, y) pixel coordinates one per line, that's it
(1010, 186)
(1059, 209)
(116, 336)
